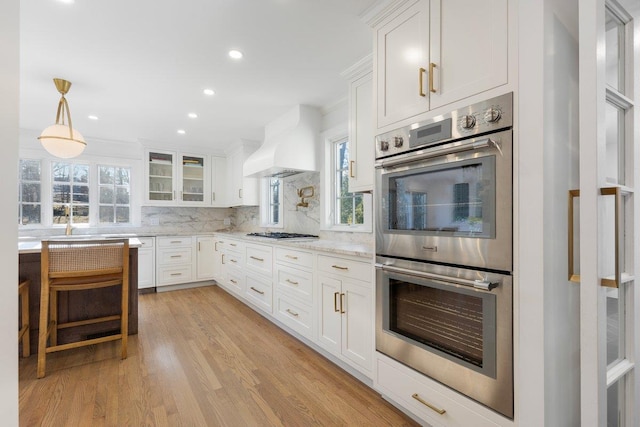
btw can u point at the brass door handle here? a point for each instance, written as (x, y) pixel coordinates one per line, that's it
(615, 282)
(351, 163)
(335, 302)
(342, 311)
(339, 267)
(256, 258)
(431, 67)
(421, 72)
(417, 397)
(256, 290)
(233, 281)
(573, 277)
(291, 281)
(291, 256)
(293, 313)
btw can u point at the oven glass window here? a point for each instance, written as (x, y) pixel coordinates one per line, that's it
(451, 199)
(448, 321)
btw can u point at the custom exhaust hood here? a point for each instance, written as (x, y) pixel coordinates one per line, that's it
(289, 145)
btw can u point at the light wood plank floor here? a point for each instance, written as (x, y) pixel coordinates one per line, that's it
(201, 358)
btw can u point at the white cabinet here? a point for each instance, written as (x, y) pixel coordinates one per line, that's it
(146, 263)
(174, 260)
(242, 191)
(259, 273)
(345, 314)
(218, 267)
(293, 297)
(233, 267)
(219, 181)
(205, 255)
(175, 179)
(361, 126)
(436, 52)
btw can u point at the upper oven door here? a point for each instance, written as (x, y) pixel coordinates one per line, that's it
(450, 204)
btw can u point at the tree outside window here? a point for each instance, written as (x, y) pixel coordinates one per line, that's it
(29, 193)
(70, 193)
(114, 187)
(348, 207)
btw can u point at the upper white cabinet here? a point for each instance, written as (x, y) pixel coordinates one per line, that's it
(242, 191)
(177, 178)
(361, 141)
(218, 181)
(436, 52)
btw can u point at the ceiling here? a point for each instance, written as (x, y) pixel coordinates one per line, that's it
(141, 66)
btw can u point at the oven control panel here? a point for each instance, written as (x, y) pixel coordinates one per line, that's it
(486, 116)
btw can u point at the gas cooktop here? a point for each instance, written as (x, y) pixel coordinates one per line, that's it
(279, 235)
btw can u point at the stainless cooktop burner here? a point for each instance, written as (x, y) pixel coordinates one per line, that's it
(279, 235)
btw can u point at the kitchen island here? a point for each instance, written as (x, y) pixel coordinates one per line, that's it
(74, 306)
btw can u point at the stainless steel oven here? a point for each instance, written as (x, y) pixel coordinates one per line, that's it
(444, 188)
(452, 324)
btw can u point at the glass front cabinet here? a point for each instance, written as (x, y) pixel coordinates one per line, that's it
(177, 179)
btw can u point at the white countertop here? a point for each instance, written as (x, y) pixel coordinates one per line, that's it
(30, 245)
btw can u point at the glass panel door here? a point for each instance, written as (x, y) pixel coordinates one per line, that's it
(161, 176)
(192, 179)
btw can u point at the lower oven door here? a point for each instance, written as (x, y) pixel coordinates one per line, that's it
(451, 324)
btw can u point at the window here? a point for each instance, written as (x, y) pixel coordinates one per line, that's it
(29, 193)
(114, 190)
(70, 193)
(271, 206)
(345, 211)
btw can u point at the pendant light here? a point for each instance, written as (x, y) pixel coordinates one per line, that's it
(61, 139)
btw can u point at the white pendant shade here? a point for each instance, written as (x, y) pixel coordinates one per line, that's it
(56, 140)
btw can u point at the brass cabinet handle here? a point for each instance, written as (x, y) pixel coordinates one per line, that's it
(176, 274)
(291, 281)
(215, 246)
(573, 277)
(417, 397)
(222, 259)
(257, 290)
(176, 241)
(431, 67)
(213, 196)
(234, 261)
(335, 302)
(176, 256)
(351, 175)
(233, 281)
(421, 72)
(293, 313)
(198, 246)
(615, 191)
(240, 193)
(342, 311)
(339, 267)
(256, 258)
(291, 256)
(232, 244)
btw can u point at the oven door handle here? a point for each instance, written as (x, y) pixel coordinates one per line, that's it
(474, 144)
(477, 284)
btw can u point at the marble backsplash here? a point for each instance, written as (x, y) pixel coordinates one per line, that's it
(181, 220)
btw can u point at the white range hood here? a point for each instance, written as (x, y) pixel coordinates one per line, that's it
(289, 147)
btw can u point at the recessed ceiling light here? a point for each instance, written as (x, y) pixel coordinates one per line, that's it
(193, 115)
(209, 92)
(235, 54)
(181, 131)
(92, 117)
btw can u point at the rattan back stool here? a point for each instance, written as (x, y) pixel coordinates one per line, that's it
(23, 333)
(79, 265)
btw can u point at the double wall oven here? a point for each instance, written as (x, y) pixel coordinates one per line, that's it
(444, 250)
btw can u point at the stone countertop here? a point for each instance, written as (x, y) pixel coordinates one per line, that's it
(29, 245)
(323, 245)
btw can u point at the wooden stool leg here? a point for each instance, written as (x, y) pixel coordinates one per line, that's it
(124, 319)
(24, 321)
(53, 318)
(44, 326)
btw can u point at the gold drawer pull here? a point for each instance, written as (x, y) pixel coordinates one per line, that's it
(256, 290)
(431, 67)
(291, 256)
(233, 281)
(428, 405)
(291, 281)
(351, 163)
(232, 244)
(339, 267)
(176, 256)
(293, 313)
(176, 241)
(256, 258)
(176, 274)
(421, 72)
(233, 260)
(335, 302)
(573, 277)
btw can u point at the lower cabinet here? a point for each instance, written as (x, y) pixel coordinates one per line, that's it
(174, 260)
(259, 268)
(204, 257)
(345, 323)
(233, 269)
(147, 263)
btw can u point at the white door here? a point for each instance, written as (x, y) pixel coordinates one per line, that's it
(205, 256)
(608, 213)
(357, 327)
(329, 334)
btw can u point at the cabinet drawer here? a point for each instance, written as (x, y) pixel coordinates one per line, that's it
(173, 275)
(235, 279)
(295, 283)
(295, 315)
(234, 246)
(174, 256)
(408, 391)
(258, 291)
(175, 241)
(345, 267)
(294, 257)
(146, 242)
(233, 259)
(259, 259)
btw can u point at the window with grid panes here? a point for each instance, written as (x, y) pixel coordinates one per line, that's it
(70, 193)
(348, 208)
(29, 192)
(114, 194)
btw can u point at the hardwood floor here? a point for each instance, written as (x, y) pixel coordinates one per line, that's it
(201, 358)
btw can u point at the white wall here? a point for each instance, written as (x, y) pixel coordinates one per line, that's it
(9, 108)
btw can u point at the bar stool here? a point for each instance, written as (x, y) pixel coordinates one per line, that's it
(79, 265)
(23, 334)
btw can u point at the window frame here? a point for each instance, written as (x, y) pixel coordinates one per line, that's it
(21, 203)
(115, 205)
(266, 203)
(328, 221)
